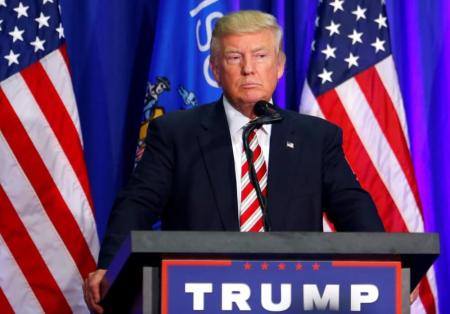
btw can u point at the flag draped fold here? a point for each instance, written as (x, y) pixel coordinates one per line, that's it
(48, 237)
(352, 82)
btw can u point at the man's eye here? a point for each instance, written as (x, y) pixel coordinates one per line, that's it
(233, 59)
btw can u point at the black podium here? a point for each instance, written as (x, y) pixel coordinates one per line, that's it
(135, 271)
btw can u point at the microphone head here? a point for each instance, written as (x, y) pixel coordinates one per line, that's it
(263, 108)
(266, 113)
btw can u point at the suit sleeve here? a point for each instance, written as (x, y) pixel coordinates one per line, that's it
(139, 205)
(348, 206)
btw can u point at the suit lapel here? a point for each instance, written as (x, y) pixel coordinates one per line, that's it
(283, 159)
(215, 144)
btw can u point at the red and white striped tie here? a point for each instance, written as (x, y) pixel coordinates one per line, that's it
(251, 218)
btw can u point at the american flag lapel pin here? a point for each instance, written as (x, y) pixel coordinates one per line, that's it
(290, 144)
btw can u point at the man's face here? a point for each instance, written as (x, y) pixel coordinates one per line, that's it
(248, 67)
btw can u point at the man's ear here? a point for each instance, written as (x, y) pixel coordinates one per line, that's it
(281, 63)
(215, 69)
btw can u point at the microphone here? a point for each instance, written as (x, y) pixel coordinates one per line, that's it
(266, 114)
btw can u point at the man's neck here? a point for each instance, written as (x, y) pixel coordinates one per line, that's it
(245, 108)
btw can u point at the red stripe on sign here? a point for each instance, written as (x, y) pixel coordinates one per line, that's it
(29, 259)
(426, 296)
(5, 307)
(59, 119)
(383, 109)
(360, 162)
(46, 189)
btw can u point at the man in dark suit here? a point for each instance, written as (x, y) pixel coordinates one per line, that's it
(191, 175)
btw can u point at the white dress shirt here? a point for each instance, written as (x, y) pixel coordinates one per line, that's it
(236, 123)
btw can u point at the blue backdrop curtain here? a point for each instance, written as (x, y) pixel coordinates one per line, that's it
(113, 46)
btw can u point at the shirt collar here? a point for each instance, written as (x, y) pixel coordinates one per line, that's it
(236, 120)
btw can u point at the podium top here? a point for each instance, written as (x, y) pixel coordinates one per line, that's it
(416, 251)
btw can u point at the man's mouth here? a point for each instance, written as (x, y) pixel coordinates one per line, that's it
(249, 85)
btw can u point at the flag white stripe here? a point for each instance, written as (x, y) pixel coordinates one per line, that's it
(417, 307)
(14, 284)
(379, 151)
(388, 75)
(59, 75)
(431, 276)
(53, 156)
(308, 103)
(40, 228)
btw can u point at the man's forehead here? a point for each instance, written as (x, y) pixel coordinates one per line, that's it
(233, 49)
(248, 41)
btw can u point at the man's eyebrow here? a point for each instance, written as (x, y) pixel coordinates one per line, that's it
(232, 50)
(235, 50)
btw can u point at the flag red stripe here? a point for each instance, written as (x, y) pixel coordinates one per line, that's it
(63, 50)
(333, 110)
(29, 260)
(5, 307)
(45, 187)
(426, 296)
(59, 119)
(358, 158)
(383, 109)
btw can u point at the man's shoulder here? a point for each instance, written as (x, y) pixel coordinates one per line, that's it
(187, 117)
(306, 121)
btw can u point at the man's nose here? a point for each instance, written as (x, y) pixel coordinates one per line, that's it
(247, 65)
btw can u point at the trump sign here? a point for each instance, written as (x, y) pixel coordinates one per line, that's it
(217, 286)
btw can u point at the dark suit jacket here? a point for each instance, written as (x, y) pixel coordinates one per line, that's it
(187, 178)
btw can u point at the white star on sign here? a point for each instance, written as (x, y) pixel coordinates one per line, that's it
(42, 20)
(355, 37)
(326, 76)
(378, 45)
(337, 5)
(329, 52)
(333, 28)
(352, 60)
(3, 3)
(60, 31)
(360, 13)
(21, 10)
(38, 44)
(16, 34)
(45, 1)
(12, 57)
(381, 21)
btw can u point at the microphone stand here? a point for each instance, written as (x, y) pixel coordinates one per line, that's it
(252, 125)
(252, 172)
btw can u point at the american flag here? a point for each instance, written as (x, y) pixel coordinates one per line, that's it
(352, 82)
(48, 238)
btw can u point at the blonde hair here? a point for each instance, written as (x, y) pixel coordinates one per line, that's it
(249, 21)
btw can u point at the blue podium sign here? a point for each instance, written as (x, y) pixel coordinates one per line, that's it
(224, 286)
